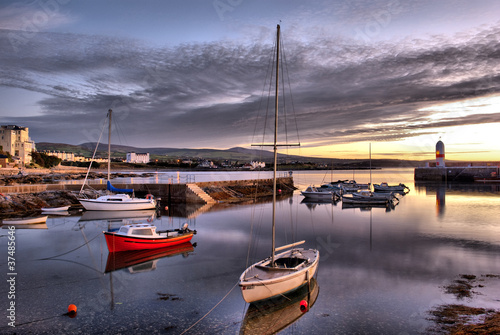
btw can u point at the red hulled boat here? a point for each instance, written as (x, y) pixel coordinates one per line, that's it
(144, 236)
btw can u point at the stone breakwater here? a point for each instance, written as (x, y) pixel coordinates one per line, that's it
(26, 195)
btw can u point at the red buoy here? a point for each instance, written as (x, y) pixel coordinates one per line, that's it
(71, 311)
(72, 308)
(303, 306)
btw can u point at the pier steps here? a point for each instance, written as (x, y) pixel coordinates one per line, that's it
(200, 193)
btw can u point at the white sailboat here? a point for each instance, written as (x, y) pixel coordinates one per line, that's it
(288, 270)
(120, 200)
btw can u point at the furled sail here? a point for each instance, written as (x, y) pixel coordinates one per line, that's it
(118, 190)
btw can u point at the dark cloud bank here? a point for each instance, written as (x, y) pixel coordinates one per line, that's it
(208, 95)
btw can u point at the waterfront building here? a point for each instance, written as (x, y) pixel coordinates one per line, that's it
(133, 157)
(65, 156)
(16, 141)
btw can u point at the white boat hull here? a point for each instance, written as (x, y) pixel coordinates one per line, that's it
(133, 204)
(318, 195)
(55, 209)
(257, 284)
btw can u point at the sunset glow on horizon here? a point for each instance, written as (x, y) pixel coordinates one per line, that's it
(398, 75)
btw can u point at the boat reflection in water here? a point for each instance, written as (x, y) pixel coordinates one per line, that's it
(145, 260)
(368, 207)
(116, 219)
(273, 315)
(149, 214)
(27, 226)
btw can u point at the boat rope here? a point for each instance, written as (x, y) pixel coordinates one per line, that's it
(210, 311)
(67, 252)
(92, 160)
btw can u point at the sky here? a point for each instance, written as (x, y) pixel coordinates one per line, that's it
(395, 76)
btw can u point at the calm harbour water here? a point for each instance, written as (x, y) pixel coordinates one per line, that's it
(380, 272)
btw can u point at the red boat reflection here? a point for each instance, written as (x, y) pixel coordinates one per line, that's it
(127, 259)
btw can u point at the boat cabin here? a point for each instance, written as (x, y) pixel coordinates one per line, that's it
(115, 197)
(141, 229)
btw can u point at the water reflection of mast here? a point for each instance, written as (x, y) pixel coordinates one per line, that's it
(371, 209)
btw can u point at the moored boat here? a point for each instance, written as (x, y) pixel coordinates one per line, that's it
(372, 195)
(117, 199)
(384, 187)
(145, 236)
(357, 199)
(55, 209)
(118, 202)
(290, 269)
(312, 192)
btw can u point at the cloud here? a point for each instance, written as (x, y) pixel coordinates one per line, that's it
(31, 18)
(208, 94)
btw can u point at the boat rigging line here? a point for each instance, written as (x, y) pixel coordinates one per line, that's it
(210, 311)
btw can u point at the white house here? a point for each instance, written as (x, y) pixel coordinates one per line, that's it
(133, 157)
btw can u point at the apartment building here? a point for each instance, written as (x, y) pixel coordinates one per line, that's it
(16, 141)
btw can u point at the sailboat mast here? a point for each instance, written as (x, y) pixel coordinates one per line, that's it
(109, 143)
(275, 140)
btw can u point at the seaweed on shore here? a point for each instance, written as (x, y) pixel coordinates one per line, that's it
(462, 319)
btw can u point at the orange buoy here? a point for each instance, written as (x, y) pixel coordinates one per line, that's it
(72, 309)
(303, 306)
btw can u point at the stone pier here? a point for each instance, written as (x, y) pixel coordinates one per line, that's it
(205, 192)
(463, 173)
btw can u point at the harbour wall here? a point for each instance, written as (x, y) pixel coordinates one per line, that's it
(463, 173)
(203, 192)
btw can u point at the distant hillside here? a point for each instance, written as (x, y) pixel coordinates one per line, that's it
(239, 154)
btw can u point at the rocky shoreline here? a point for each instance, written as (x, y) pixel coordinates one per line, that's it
(27, 204)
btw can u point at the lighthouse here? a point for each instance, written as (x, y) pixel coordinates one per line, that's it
(440, 154)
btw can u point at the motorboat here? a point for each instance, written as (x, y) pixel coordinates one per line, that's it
(145, 236)
(384, 187)
(368, 198)
(368, 195)
(312, 192)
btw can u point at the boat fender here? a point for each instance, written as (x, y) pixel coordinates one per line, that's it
(149, 196)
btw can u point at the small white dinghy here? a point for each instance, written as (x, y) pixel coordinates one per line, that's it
(55, 209)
